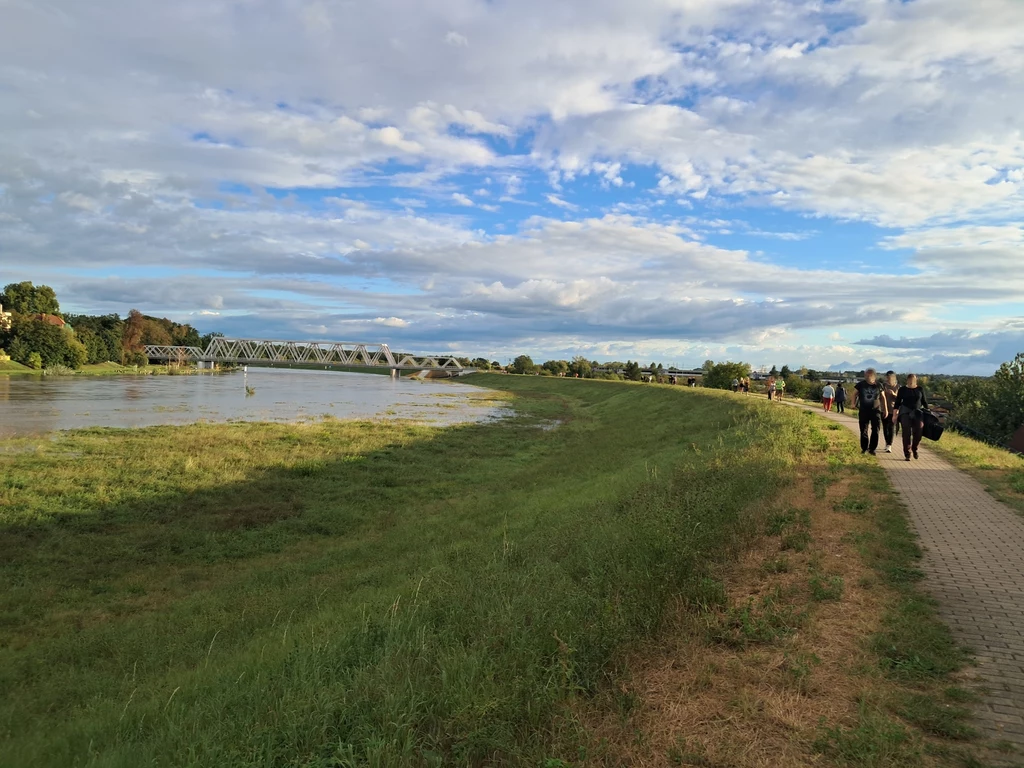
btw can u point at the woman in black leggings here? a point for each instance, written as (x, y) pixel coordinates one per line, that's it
(909, 410)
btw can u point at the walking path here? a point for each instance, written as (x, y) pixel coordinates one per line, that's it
(974, 565)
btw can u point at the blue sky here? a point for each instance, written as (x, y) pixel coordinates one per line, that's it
(776, 181)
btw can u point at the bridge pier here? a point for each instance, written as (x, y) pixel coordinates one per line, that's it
(394, 373)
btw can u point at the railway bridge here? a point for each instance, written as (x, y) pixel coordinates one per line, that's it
(336, 354)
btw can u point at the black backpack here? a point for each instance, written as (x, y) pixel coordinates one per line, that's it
(933, 428)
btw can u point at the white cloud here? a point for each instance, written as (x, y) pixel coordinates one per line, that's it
(461, 199)
(457, 40)
(556, 200)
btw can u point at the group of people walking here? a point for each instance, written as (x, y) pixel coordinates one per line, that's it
(884, 408)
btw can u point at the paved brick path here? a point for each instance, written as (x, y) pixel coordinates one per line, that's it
(974, 561)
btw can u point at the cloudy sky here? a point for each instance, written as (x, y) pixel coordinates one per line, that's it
(779, 181)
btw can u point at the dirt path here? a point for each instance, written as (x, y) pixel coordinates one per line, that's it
(974, 560)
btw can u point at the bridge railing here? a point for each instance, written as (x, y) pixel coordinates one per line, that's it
(329, 353)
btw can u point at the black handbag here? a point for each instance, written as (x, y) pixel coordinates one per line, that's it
(933, 428)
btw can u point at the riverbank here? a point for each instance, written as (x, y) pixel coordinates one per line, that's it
(387, 593)
(12, 368)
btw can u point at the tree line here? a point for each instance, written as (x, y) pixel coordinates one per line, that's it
(40, 336)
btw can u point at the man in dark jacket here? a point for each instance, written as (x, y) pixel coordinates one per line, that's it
(867, 400)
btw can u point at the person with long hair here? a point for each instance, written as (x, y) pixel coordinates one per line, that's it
(840, 398)
(867, 400)
(890, 387)
(911, 403)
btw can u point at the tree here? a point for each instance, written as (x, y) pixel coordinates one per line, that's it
(101, 335)
(132, 348)
(27, 299)
(523, 364)
(480, 363)
(495, 365)
(54, 345)
(556, 367)
(632, 371)
(708, 365)
(774, 371)
(581, 367)
(786, 372)
(722, 375)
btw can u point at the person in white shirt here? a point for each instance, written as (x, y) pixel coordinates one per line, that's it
(828, 396)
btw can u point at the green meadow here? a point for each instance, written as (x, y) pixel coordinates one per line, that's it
(364, 593)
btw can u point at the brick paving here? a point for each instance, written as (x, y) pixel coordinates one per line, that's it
(974, 565)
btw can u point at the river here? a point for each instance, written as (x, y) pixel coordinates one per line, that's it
(35, 405)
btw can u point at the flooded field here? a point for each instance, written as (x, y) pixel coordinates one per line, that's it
(36, 405)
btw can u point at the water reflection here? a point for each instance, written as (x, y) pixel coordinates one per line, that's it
(31, 405)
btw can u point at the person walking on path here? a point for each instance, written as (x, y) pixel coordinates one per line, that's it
(888, 407)
(828, 396)
(780, 388)
(771, 388)
(840, 398)
(735, 385)
(911, 403)
(867, 400)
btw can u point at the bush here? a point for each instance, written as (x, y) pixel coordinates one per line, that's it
(34, 361)
(990, 408)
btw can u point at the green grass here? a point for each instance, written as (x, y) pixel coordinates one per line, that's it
(363, 593)
(1000, 471)
(9, 366)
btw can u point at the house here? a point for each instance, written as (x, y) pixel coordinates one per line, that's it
(5, 319)
(50, 320)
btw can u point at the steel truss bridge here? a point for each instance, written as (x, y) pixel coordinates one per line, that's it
(327, 353)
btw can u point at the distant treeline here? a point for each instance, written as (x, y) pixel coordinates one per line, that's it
(38, 335)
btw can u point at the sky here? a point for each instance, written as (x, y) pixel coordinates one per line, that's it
(810, 182)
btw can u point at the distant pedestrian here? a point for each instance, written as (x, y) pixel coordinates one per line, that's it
(867, 399)
(828, 396)
(746, 386)
(735, 385)
(780, 388)
(771, 387)
(840, 398)
(890, 387)
(911, 403)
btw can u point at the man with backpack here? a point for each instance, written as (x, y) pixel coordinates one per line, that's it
(867, 400)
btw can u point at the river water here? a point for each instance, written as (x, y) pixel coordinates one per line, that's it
(34, 405)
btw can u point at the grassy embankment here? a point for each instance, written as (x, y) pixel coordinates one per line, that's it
(391, 594)
(1000, 471)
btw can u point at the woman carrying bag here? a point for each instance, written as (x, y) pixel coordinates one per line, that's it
(909, 411)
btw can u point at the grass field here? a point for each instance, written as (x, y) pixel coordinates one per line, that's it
(370, 593)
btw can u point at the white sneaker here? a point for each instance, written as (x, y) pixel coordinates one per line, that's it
(888, 449)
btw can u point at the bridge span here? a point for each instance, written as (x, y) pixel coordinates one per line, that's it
(339, 354)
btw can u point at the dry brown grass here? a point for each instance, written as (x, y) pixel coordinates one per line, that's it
(704, 703)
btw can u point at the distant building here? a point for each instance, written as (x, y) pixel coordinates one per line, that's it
(50, 320)
(5, 319)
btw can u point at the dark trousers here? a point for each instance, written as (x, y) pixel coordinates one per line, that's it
(841, 406)
(912, 424)
(872, 419)
(888, 429)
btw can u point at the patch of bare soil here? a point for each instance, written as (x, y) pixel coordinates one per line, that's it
(752, 683)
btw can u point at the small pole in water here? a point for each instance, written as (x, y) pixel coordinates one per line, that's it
(394, 373)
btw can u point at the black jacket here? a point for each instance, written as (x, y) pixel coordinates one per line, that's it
(912, 399)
